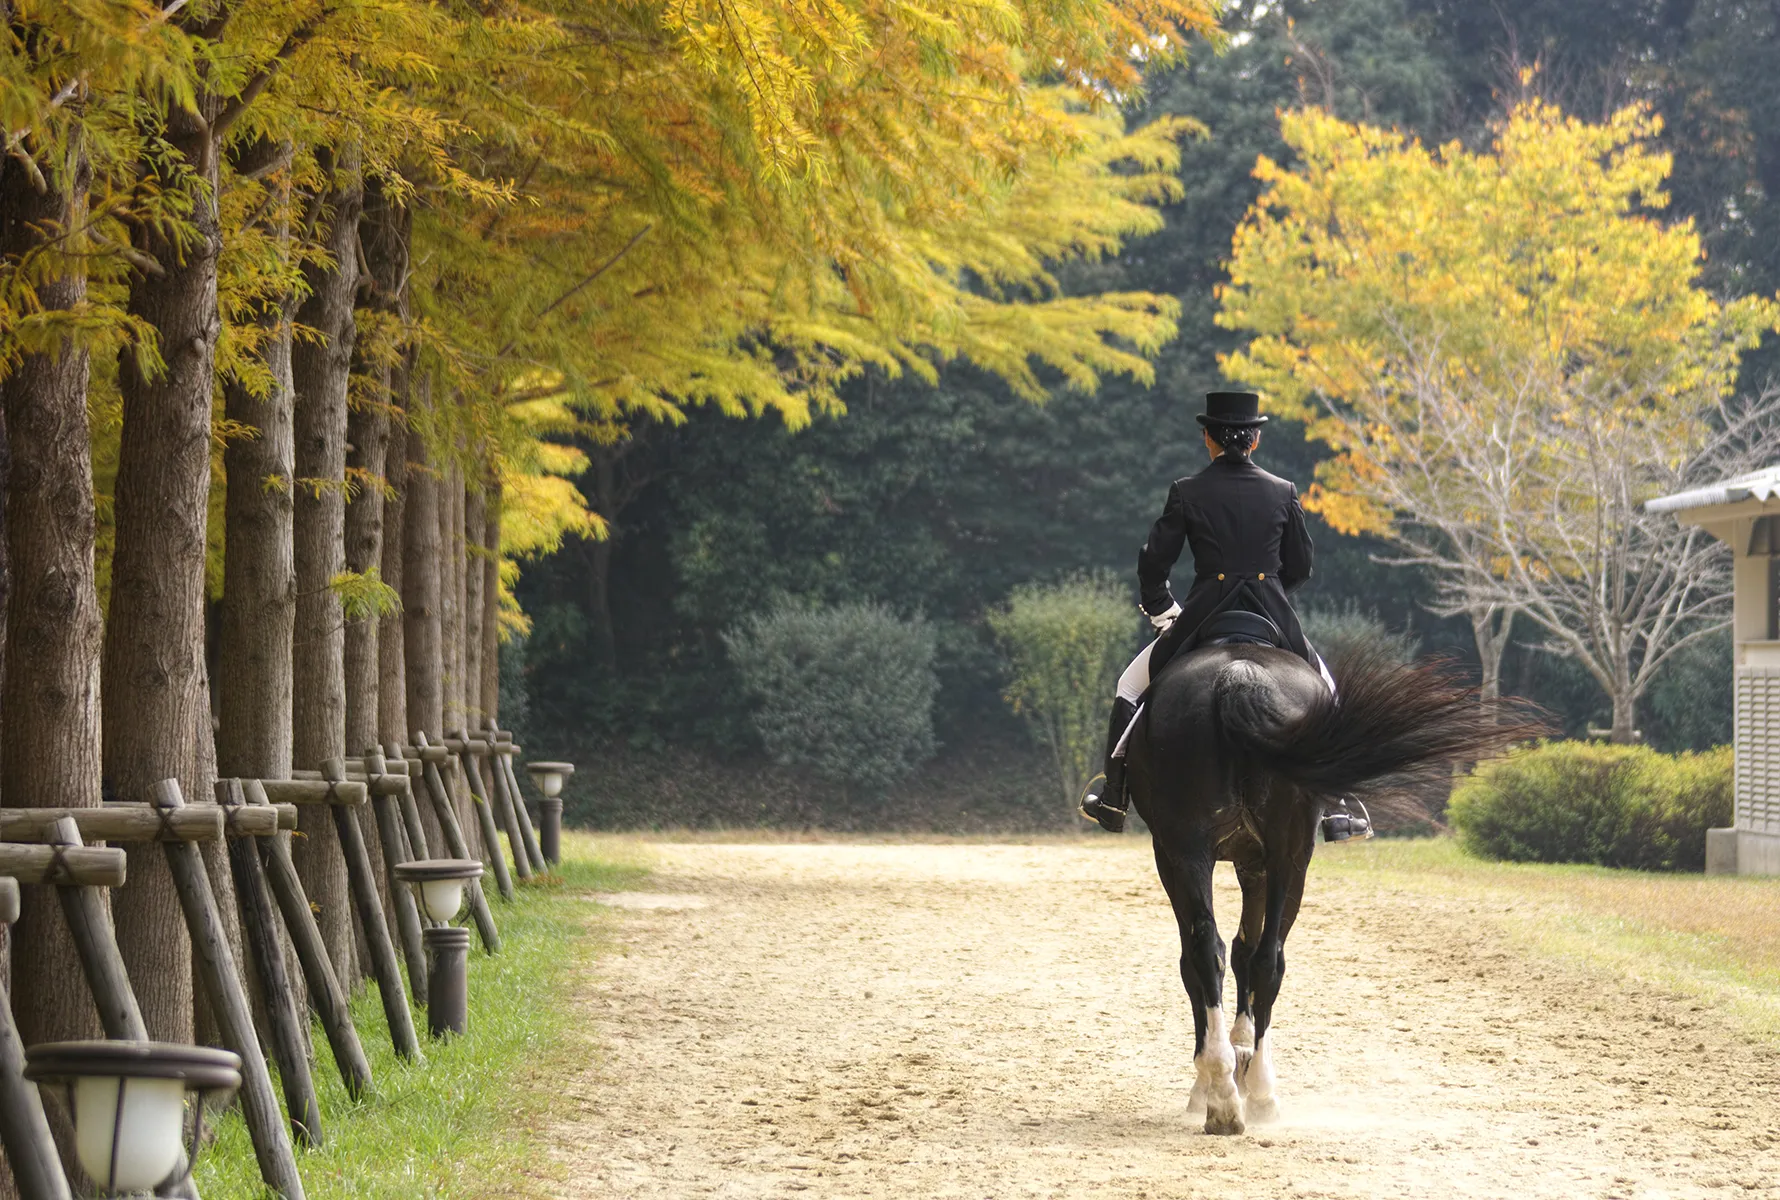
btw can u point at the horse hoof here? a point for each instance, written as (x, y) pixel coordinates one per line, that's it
(1196, 1102)
(1224, 1126)
(1262, 1112)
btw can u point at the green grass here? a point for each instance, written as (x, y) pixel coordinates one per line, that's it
(466, 1121)
(1714, 939)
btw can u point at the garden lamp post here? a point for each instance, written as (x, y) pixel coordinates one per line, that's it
(549, 776)
(129, 1104)
(440, 883)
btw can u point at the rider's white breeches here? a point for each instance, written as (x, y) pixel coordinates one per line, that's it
(1136, 679)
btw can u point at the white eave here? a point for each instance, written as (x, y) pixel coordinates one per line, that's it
(1759, 486)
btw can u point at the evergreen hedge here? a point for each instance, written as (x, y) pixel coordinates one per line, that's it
(1589, 802)
(846, 690)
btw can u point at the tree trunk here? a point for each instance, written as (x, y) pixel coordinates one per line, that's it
(421, 632)
(49, 755)
(475, 522)
(259, 571)
(258, 607)
(373, 523)
(1625, 714)
(491, 601)
(367, 435)
(392, 685)
(421, 560)
(367, 431)
(388, 237)
(321, 370)
(450, 595)
(452, 583)
(1492, 627)
(157, 704)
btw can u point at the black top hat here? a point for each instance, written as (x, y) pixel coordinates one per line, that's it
(1240, 409)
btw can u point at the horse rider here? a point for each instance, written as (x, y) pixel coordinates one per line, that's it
(1251, 550)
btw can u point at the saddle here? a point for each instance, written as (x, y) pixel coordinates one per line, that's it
(1238, 627)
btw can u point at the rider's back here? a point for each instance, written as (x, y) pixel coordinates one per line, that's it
(1237, 519)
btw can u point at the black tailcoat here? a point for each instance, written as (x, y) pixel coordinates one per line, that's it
(1250, 550)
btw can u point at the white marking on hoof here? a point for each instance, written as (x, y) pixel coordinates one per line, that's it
(1216, 1065)
(1256, 1080)
(1242, 1031)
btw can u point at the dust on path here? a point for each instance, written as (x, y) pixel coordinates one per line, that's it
(993, 1021)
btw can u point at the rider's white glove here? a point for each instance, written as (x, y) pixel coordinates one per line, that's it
(1163, 620)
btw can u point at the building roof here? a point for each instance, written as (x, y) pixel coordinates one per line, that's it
(1757, 485)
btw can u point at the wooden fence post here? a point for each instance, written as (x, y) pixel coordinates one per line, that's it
(89, 923)
(217, 971)
(410, 803)
(525, 819)
(518, 802)
(96, 944)
(363, 882)
(24, 1130)
(430, 757)
(508, 804)
(490, 838)
(259, 920)
(385, 790)
(325, 993)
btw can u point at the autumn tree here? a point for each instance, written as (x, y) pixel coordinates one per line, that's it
(1508, 352)
(67, 209)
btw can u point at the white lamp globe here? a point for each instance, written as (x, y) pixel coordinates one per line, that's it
(133, 1144)
(128, 1102)
(549, 776)
(443, 898)
(440, 882)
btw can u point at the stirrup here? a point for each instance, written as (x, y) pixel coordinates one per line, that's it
(1094, 808)
(1346, 826)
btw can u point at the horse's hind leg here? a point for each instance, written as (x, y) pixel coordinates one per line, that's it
(1187, 879)
(1248, 934)
(1267, 968)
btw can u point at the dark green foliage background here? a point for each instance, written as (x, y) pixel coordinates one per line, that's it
(938, 501)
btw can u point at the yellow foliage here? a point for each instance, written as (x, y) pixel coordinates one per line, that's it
(619, 210)
(1419, 308)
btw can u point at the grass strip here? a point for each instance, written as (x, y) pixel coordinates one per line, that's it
(1712, 938)
(467, 1121)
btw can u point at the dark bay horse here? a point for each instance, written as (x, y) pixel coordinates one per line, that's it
(1238, 748)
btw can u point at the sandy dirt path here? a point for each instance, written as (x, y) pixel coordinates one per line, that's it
(948, 1021)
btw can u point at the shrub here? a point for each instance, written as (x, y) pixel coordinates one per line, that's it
(1617, 806)
(1335, 631)
(847, 691)
(1066, 644)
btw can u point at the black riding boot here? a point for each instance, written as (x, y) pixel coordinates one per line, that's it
(1104, 798)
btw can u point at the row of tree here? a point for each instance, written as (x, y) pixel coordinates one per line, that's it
(301, 305)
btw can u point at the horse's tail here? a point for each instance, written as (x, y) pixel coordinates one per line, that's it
(1389, 720)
